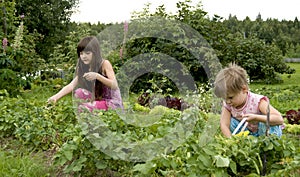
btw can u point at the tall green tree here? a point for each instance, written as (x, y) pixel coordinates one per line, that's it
(232, 40)
(7, 15)
(18, 58)
(49, 18)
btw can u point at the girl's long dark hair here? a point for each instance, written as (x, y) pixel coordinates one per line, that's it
(90, 44)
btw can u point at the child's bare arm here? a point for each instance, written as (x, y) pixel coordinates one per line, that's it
(225, 122)
(64, 91)
(275, 116)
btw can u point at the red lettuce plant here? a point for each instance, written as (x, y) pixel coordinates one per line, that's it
(293, 116)
(167, 101)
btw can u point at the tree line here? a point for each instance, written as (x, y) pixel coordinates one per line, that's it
(285, 34)
(39, 35)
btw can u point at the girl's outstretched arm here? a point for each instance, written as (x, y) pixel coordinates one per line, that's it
(64, 91)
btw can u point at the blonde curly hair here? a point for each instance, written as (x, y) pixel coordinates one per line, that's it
(230, 80)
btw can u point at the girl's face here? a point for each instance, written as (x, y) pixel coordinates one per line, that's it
(86, 57)
(237, 100)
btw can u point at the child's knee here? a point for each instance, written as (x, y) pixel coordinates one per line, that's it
(276, 130)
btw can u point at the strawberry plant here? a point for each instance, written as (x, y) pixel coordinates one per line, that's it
(82, 149)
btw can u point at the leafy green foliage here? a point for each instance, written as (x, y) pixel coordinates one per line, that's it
(175, 41)
(262, 62)
(204, 152)
(8, 20)
(272, 31)
(64, 56)
(10, 81)
(33, 123)
(50, 19)
(18, 60)
(292, 129)
(238, 156)
(39, 126)
(278, 95)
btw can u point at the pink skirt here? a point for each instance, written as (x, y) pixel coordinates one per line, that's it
(84, 94)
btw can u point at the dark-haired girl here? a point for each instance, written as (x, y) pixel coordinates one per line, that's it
(95, 82)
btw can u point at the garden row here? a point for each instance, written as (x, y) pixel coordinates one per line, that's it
(179, 143)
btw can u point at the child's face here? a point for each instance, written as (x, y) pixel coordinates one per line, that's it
(86, 57)
(236, 100)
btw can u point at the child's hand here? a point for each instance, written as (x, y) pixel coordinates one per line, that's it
(250, 117)
(51, 100)
(253, 124)
(90, 76)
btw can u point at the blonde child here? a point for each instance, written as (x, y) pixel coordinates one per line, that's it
(231, 84)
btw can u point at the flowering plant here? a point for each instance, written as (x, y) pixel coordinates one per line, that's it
(4, 44)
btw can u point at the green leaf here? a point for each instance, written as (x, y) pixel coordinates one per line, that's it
(68, 154)
(221, 161)
(269, 147)
(144, 168)
(219, 173)
(232, 166)
(79, 163)
(208, 151)
(77, 167)
(101, 165)
(205, 160)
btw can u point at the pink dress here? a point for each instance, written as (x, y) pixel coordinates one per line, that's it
(111, 98)
(251, 107)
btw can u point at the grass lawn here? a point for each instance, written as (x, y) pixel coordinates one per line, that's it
(283, 96)
(292, 79)
(288, 79)
(22, 165)
(16, 160)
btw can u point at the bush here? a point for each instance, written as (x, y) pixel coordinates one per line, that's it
(262, 62)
